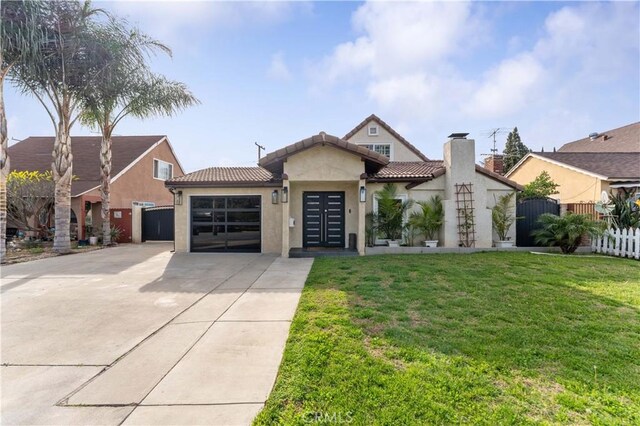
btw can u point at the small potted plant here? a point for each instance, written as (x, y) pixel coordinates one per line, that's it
(429, 219)
(93, 238)
(503, 217)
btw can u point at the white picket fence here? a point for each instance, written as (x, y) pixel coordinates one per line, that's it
(616, 242)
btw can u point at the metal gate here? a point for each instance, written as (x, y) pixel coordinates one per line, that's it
(323, 216)
(157, 223)
(528, 211)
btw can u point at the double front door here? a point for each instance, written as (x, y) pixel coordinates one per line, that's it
(323, 217)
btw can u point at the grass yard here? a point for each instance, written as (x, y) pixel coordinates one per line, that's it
(486, 338)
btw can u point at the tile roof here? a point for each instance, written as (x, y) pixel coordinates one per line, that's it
(622, 139)
(225, 176)
(388, 129)
(613, 165)
(273, 160)
(410, 170)
(34, 153)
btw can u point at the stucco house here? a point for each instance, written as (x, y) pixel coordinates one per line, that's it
(314, 193)
(141, 164)
(585, 168)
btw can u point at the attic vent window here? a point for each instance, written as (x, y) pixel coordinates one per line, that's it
(373, 130)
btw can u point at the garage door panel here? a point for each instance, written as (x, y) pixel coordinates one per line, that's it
(232, 223)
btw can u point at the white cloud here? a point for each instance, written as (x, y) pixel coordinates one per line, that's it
(173, 21)
(400, 39)
(413, 61)
(506, 88)
(278, 69)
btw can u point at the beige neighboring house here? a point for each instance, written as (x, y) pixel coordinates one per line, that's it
(140, 166)
(585, 168)
(313, 194)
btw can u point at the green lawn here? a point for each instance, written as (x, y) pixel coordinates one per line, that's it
(486, 338)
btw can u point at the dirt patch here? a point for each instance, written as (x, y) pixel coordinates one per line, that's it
(22, 255)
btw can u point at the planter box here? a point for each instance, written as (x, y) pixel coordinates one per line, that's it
(431, 243)
(503, 244)
(393, 243)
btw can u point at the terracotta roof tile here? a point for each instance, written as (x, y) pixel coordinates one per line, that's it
(622, 139)
(273, 160)
(618, 165)
(388, 129)
(409, 169)
(221, 176)
(34, 153)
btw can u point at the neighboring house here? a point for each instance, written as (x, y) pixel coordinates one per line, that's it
(585, 168)
(141, 164)
(314, 193)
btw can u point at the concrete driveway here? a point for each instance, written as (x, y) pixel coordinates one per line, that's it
(138, 335)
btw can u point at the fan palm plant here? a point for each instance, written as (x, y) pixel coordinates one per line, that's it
(566, 231)
(430, 218)
(126, 87)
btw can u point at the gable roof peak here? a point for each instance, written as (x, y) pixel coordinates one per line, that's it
(389, 129)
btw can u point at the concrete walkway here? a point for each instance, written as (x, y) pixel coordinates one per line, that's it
(137, 335)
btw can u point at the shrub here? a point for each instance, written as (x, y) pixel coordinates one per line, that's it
(566, 231)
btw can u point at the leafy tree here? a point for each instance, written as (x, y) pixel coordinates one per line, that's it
(514, 150)
(565, 231)
(20, 34)
(73, 54)
(391, 212)
(30, 195)
(542, 186)
(127, 87)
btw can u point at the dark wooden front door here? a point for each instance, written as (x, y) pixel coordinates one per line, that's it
(323, 217)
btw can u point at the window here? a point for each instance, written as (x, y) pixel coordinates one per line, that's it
(162, 170)
(373, 130)
(380, 148)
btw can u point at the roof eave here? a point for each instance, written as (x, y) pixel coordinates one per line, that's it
(209, 184)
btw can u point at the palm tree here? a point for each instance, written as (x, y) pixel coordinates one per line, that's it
(128, 91)
(20, 35)
(429, 218)
(73, 54)
(391, 212)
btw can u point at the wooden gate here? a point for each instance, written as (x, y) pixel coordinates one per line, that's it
(528, 211)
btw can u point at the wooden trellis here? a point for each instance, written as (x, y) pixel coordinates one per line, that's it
(466, 221)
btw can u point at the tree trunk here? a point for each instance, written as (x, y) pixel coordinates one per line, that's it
(4, 171)
(105, 187)
(62, 174)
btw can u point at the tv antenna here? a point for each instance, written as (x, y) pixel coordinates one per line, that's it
(260, 149)
(492, 134)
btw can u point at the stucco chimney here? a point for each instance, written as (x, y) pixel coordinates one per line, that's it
(460, 163)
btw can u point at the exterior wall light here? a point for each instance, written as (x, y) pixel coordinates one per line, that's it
(178, 196)
(285, 194)
(363, 194)
(274, 197)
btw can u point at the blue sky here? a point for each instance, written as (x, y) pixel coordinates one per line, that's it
(277, 72)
